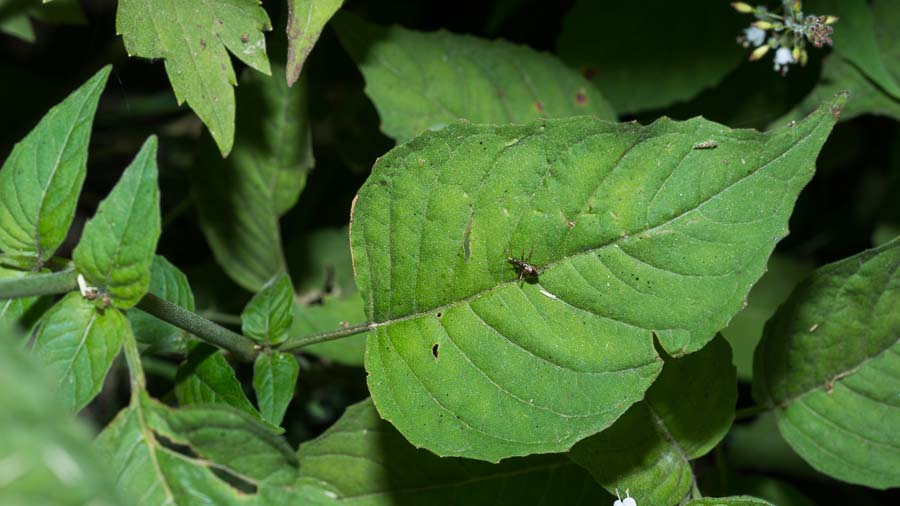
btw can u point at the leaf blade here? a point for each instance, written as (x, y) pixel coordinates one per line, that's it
(306, 20)
(268, 316)
(274, 379)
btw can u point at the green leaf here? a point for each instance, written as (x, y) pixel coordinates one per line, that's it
(77, 343)
(268, 316)
(241, 198)
(362, 460)
(206, 377)
(46, 454)
(117, 246)
(192, 37)
(637, 235)
(775, 491)
(830, 363)
(729, 501)
(642, 61)
(759, 445)
(41, 180)
(745, 330)
(685, 413)
(169, 283)
(14, 15)
(18, 316)
(306, 19)
(422, 81)
(330, 314)
(274, 380)
(232, 448)
(856, 39)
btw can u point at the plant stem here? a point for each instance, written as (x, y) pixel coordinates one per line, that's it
(299, 342)
(241, 346)
(38, 284)
(750, 412)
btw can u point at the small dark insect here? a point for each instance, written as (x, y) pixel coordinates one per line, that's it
(522, 265)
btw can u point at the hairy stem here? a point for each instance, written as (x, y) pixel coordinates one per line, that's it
(38, 284)
(241, 346)
(295, 343)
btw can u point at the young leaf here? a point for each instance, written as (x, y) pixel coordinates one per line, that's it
(729, 501)
(241, 198)
(421, 81)
(855, 37)
(306, 19)
(642, 61)
(41, 180)
(361, 458)
(274, 380)
(829, 363)
(192, 37)
(227, 443)
(207, 378)
(636, 232)
(685, 413)
(77, 343)
(117, 246)
(268, 317)
(331, 314)
(169, 283)
(46, 453)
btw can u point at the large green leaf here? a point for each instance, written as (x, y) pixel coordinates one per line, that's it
(274, 380)
(41, 180)
(306, 19)
(169, 283)
(729, 501)
(206, 377)
(225, 447)
(268, 316)
(686, 412)
(829, 362)
(192, 37)
(45, 453)
(638, 233)
(117, 245)
(364, 461)
(328, 315)
(422, 81)
(650, 53)
(855, 36)
(77, 343)
(241, 198)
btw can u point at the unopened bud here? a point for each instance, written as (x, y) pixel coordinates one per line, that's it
(804, 56)
(742, 7)
(759, 52)
(796, 53)
(830, 20)
(763, 25)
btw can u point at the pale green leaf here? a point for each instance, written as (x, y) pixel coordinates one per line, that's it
(45, 454)
(41, 180)
(363, 461)
(685, 413)
(192, 37)
(241, 198)
(829, 362)
(77, 343)
(274, 380)
(330, 314)
(117, 245)
(228, 444)
(855, 36)
(729, 501)
(206, 377)
(638, 235)
(745, 330)
(268, 316)
(306, 20)
(421, 81)
(650, 53)
(18, 25)
(169, 283)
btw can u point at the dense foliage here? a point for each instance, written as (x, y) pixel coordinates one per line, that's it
(510, 252)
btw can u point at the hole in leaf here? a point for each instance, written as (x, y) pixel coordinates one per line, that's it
(434, 351)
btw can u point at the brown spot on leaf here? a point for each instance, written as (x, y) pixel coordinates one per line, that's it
(202, 44)
(539, 106)
(245, 38)
(581, 97)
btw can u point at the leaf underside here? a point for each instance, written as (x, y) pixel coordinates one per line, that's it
(637, 235)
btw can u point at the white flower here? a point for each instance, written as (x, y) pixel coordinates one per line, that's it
(783, 58)
(755, 36)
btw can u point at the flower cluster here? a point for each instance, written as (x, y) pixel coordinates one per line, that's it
(786, 32)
